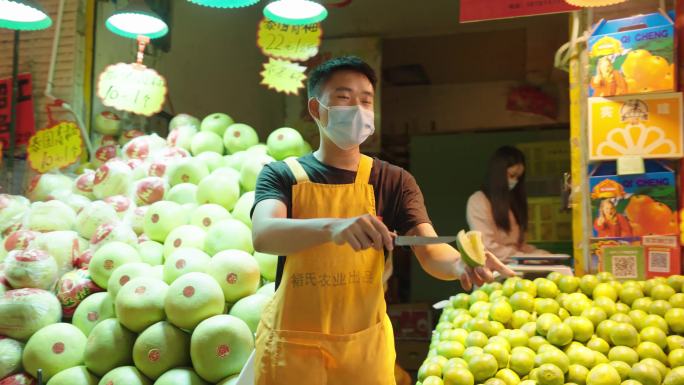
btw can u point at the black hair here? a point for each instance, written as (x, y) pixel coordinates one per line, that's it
(503, 200)
(319, 75)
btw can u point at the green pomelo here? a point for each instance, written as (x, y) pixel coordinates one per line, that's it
(113, 232)
(25, 311)
(204, 141)
(249, 309)
(184, 261)
(125, 273)
(159, 348)
(211, 159)
(284, 142)
(91, 217)
(187, 170)
(186, 236)
(268, 265)
(108, 258)
(109, 346)
(54, 348)
(220, 346)
(192, 298)
(228, 234)
(237, 272)
(157, 272)
(243, 208)
(232, 380)
(182, 193)
(235, 160)
(239, 137)
(30, 269)
(161, 218)
(77, 375)
(112, 178)
(206, 215)
(217, 123)
(251, 168)
(151, 252)
(44, 185)
(181, 137)
(220, 189)
(93, 310)
(62, 246)
(10, 356)
(183, 120)
(124, 375)
(267, 289)
(50, 216)
(140, 303)
(180, 376)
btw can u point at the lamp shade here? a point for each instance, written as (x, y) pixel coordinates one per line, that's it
(295, 12)
(225, 3)
(593, 3)
(23, 15)
(137, 19)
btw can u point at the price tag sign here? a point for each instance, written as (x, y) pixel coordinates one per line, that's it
(291, 42)
(283, 76)
(55, 147)
(133, 88)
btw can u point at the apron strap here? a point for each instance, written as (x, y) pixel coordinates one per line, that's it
(297, 170)
(365, 166)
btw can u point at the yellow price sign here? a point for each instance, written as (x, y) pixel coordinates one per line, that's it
(283, 76)
(291, 42)
(55, 147)
(133, 88)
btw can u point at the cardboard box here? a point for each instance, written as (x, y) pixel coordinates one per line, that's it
(624, 206)
(411, 321)
(633, 55)
(648, 126)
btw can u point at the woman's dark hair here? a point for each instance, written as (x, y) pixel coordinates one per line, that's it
(495, 187)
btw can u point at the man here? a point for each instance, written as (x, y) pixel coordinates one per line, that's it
(332, 214)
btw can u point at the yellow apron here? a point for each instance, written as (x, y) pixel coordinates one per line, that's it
(327, 323)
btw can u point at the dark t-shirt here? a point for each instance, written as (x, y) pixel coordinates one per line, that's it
(398, 199)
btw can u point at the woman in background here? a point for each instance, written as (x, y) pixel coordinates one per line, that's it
(499, 209)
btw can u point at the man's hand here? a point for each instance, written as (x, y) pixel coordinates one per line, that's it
(361, 233)
(482, 274)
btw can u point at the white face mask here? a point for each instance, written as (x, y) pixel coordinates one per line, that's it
(348, 126)
(512, 183)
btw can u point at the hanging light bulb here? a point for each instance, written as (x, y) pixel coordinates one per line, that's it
(295, 12)
(137, 19)
(225, 3)
(23, 15)
(593, 3)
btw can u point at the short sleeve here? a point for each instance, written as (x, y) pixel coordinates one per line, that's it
(411, 205)
(274, 182)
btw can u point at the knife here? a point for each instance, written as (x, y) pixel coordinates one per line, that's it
(422, 241)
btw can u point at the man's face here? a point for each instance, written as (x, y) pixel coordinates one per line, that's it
(343, 88)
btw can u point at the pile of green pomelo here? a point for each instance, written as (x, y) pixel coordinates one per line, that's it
(561, 330)
(140, 270)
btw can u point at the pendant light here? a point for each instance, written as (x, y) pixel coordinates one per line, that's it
(295, 12)
(593, 3)
(137, 19)
(225, 3)
(23, 15)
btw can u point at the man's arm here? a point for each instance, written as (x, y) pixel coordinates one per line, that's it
(274, 233)
(444, 262)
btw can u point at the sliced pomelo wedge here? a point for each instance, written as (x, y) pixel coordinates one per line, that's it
(471, 247)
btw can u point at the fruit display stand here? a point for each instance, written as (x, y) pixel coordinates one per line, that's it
(559, 330)
(140, 269)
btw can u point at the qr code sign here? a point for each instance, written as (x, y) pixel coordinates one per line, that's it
(659, 261)
(624, 266)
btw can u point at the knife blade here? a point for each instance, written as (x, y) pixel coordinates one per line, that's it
(422, 241)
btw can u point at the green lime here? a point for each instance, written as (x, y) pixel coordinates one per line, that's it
(624, 354)
(576, 303)
(604, 328)
(481, 325)
(605, 290)
(441, 361)
(535, 342)
(496, 296)
(638, 318)
(555, 277)
(479, 307)
(501, 341)
(443, 326)
(549, 374)
(622, 308)
(519, 318)
(517, 338)
(508, 376)
(598, 344)
(522, 360)
(600, 358)
(460, 301)
(676, 282)
(522, 300)
(530, 329)
(581, 355)
(675, 377)
(595, 314)
(677, 300)
(450, 349)
(495, 328)
(657, 321)
(501, 311)
(458, 376)
(545, 321)
(605, 276)
(461, 320)
(624, 334)
(476, 338)
(662, 292)
(676, 358)
(660, 307)
(629, 294)
(675, 320)
(642, 304)
(588, 283)
(433, 380)
(622, 368)
(455, 363)
(478, 296)
(560, 334)
(675, 342)
(650, 350)
(557, 358)
(577, 374)
(546, 305)
(582, 328)
(509, 286)
(528, 382)
(546, 288)
(568, 284)
(621, 318)
(483, 366)
(563, 314)
(500, 353)
(607, 304)
(495, 381)
(603, 374)
(429, 369)
(655, 335)
(631, 382)
(647, 375)
(656, 364)
(471, 352)
(527, 286)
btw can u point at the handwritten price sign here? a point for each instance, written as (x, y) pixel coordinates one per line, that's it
(55, 147)
(283, 76)
(133, 88)
(291, 42)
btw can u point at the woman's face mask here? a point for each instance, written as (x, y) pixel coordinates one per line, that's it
(348, 126)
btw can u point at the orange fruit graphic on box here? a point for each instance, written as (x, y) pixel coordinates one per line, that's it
(648, 216)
